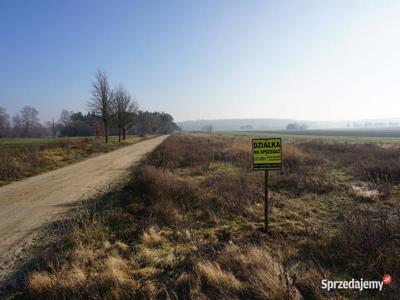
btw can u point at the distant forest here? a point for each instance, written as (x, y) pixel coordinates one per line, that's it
(110, 111)
(26, 123)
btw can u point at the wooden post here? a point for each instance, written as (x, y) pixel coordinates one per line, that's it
(266, 204)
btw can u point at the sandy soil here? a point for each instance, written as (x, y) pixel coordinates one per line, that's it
(28, 205)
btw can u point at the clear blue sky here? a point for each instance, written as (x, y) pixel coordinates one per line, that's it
(316, 60)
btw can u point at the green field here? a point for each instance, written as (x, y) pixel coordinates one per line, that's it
(34, 142)
(322, 135)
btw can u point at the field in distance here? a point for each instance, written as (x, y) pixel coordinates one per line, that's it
(381, 136)
(34, 142)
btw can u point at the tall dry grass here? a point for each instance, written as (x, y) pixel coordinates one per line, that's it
(370, 162)
(245, 272)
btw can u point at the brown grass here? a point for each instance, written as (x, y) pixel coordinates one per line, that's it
(216, 282)
(370, 162)
(367, 241)
(233, 193)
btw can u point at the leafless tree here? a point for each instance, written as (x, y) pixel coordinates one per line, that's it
(65, 117)
(131, 116)
(49, 128)
(124, 108)
(17, 125)
(27, 122)
(4, 122)
(100, 103)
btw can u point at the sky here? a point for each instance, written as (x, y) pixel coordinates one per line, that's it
(306, 60)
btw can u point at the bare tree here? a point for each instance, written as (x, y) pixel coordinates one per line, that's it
(4, 122)
(29, 122)
(100, 103)
(124, 108)
(65, 117)
(49, 128)
(17, 125)
(131, 116)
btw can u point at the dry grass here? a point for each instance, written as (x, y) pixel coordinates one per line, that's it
(105, 278)
(369, 162)
(233, 193)
(217, 282)
(151, 238)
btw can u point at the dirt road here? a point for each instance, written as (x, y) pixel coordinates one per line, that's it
(27, 205)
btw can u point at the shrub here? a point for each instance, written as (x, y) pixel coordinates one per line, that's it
(185, 151)
(10, 168)
(163, 194)
(297, 183)
(18, 163)
(237, 153)
(233, 193)
(371, 162)
(300, 159)
(369, 243)
(366, 245)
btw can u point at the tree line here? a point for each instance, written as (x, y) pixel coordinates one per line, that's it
(110, 112)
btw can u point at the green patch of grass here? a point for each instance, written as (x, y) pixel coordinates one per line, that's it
(39, 142)
(316, 137)
(47, 141)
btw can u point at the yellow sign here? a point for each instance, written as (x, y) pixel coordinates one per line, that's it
(267, 154)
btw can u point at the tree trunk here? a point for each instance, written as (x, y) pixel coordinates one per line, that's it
(124, 132)
(119, 133)
(106, 132)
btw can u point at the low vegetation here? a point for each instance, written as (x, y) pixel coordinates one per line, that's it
(188, 225)
(20, 158)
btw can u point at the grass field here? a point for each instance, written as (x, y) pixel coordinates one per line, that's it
(187, 225)
(352, 136)
(36, 142)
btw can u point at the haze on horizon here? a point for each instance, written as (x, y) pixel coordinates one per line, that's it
(304, 60)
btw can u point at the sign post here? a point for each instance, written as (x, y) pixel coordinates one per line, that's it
(267, 155)
(266, 202)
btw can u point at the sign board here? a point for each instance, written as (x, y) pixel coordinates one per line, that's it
(267, 154)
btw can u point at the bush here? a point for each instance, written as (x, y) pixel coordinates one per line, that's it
(163, 194)
(236, 152)
(18, 163)
(234, 193)
(185, 151)
(370, 162)
(9, 166)
(366, 245)
(369, 243)
(300, 160)
(297, 184)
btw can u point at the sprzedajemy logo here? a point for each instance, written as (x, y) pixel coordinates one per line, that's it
(356, 284)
